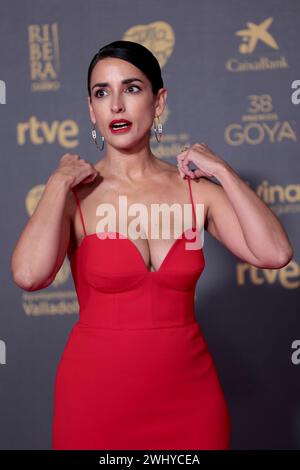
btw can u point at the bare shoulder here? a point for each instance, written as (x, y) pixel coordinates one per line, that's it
(79, 192)
(70, 211)
(74, 196)
(70, 204)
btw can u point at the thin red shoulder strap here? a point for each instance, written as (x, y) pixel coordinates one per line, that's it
(191, 196)
(80, 212)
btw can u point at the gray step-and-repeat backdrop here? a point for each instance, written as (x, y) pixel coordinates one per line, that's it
(233, 76)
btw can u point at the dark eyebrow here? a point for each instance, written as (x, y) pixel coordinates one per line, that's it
(124, 82)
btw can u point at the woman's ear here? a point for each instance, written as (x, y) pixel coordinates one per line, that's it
(161, 101)
(92, 115)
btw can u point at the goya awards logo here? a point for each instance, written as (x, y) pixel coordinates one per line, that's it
(44, 57)
(260, 124)
(53, 301)
(257, 38)
(159, 38)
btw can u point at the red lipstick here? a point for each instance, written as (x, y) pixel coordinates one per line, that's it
(118, 126)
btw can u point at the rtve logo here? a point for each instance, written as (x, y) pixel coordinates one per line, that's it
(287, 277)
(40, 132)
(2, 92)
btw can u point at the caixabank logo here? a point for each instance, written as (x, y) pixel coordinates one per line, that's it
(258, 49)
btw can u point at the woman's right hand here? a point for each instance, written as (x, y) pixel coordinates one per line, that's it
(75, 170)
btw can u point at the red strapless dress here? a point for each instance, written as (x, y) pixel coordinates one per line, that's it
(136, 371)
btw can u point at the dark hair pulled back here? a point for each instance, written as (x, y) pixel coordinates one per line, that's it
(136, 54)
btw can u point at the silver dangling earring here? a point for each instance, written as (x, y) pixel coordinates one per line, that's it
(94, 135)
(158, 130)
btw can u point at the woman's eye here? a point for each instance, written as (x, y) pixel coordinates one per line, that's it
(130, 87)
(133, 86)
(96, 94)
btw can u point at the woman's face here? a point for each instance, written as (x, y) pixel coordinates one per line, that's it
(134, 101)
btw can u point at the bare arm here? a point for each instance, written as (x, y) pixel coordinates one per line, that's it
(245, 224)
(237, 217)
(41, 247)
(43, 244)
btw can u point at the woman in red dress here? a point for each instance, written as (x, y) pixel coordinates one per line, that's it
(136, 371)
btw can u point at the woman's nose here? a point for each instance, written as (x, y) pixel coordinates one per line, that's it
(117, 106)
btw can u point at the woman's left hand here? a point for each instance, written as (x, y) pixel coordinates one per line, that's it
(203, 157)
